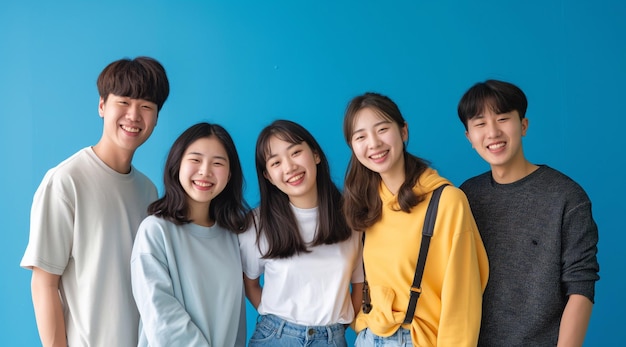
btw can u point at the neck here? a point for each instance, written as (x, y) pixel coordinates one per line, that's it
(119, 160)
(199, 214)
(505, 175)
(394, 179)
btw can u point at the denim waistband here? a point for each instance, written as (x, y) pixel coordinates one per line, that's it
(307, 332)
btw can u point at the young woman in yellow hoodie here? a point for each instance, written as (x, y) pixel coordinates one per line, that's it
(386, 194)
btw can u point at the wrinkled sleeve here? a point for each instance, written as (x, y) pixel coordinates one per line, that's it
(357, 273)
(51, 226)
(250, 254)
(165, 320)
(579, 244)
(465, 275)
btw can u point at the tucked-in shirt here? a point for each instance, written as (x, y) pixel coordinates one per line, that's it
(308, 288)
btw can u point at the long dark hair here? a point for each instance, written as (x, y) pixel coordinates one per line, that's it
(276, 219)
(362, 205)
(229, 209)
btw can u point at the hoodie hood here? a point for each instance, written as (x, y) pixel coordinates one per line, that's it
(428, 182)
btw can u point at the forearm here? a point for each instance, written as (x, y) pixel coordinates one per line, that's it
(574, 321)
(357, 297)
(253, 290)
(48, 309)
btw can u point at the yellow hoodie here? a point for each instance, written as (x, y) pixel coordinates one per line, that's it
(449, 309)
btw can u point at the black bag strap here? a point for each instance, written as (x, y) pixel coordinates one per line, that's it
(427, 232)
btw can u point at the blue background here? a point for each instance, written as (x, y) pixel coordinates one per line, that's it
(244, 63)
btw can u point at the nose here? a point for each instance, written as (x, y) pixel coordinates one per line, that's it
(290, 165)
(205, 170)
(134, 113)
(373, 141)
(492, 129)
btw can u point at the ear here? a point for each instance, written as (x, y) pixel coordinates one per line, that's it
(101, 107)
(267, 177)
(404, 132)
(316, 156)
(468, 138)
(524, 126)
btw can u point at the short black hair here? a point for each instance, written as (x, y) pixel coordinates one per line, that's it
(500, 96)
(139, 78)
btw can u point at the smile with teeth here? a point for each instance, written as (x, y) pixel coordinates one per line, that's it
(379, 155)
(203, 184)
(295, 178)
(129, 129)
(496, 145)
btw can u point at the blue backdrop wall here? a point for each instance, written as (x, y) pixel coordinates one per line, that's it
(244, 63)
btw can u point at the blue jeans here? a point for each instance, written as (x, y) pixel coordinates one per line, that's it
(277, 332)
(401, 338)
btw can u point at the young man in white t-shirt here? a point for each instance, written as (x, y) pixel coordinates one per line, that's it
(85, 214)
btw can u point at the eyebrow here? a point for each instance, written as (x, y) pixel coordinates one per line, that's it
(384, 121)
(288, 148)
(213, 157)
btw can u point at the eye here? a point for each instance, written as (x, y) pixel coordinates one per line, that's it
(218, 164)
(383, 129)
(503, 119)
(273, 163)
(147, 107)
(479, 124)
(296, 152)
(357, 138)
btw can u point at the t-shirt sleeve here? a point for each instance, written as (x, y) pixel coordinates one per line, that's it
(51, 227)
(250, 254)
(357, 273)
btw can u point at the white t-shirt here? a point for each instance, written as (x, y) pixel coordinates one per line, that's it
(310, 288)
(83, 222)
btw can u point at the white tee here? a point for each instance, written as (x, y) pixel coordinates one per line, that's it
(310, 288)
(83, 222)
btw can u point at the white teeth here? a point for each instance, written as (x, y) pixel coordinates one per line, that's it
(203, 184)
(379, 155)
(496, 146)
(295, 178)
(130, 130)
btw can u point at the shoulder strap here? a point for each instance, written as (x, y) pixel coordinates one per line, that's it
(427, 232)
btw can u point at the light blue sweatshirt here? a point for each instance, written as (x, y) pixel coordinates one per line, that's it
(188, 286)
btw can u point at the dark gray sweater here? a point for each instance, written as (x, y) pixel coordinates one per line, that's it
(541, 242)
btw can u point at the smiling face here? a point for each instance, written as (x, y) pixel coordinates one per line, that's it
(292, 168)
(128, 122)
(204, 173)
(498, 139)
(378, 144)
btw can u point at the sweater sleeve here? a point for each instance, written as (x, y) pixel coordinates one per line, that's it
(465, 275)
(165, 320)
(579, 246)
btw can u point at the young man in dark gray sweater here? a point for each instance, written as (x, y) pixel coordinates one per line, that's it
(536, 225)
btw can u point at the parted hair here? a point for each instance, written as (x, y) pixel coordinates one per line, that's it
(277, 221)
(139, 78)
(229, 208)
(500, 96)
(362, 205)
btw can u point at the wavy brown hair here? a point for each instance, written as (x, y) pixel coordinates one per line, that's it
(362, 205)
